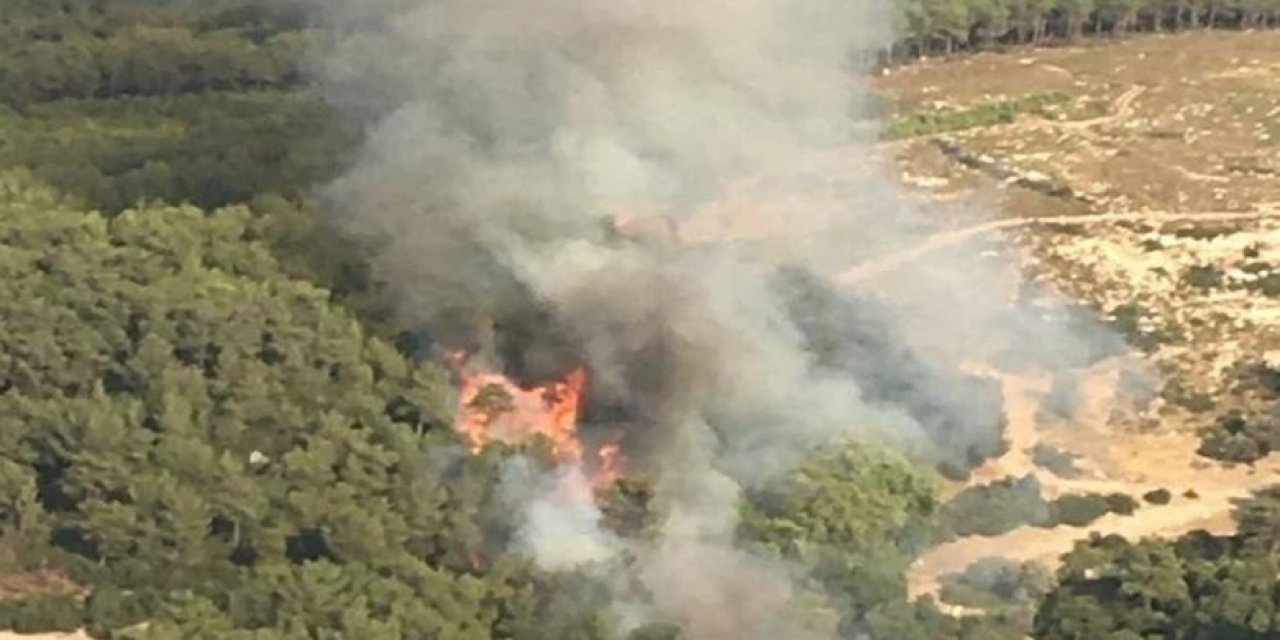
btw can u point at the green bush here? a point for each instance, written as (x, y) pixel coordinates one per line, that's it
(923, 123)
(1230, 447)
(991, 583)
(1060, 463)
(1126, 319)
(1180, 395)
(1121, 504)
(1203, 231)
(1237, 438)
(109, 608)
(996, 508)
(1158, 496)
(1080, 510)
(1203, 276)
(42, 613)
(1269, 285)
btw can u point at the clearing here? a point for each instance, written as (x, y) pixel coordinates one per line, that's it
(1165, 157)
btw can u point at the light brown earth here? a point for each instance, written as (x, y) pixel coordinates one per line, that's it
(1187, 122)
(1130, 463)
(1162, 133)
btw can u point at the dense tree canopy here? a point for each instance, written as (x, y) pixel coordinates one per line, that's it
(928, 26)
(213, 447)
(115, 101)
(205, 441)
(109, 48)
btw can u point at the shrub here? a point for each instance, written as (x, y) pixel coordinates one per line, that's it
(1059, 462)
(922, 123)
(1264, 430)
(1126, 320)
(996, 508)
(1187, 398)
(41, 614)
(1235, 438)
(1203, 276)
(1230, 447)
(1121, 504)
(993, 582)
(1078, 510)
(1269, 284)
(1268, 378)
(1158, 496)
(1203, 231)
(110, 608)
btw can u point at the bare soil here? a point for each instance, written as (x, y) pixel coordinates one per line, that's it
(1176, 141)
(1130, 463)
(1187, 122)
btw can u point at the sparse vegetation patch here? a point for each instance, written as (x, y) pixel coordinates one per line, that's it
(1203, 276)
(933, 122)
(1060, 463)
(1080, 510)
(995, 583)
(1004, 505)
(1235, 437)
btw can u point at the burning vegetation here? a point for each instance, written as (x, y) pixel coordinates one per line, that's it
(493, 407)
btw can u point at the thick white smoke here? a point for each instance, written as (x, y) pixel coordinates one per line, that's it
(507, 134)
(561, 525)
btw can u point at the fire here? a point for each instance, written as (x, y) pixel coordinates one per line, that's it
(611, 464)
(494, 408)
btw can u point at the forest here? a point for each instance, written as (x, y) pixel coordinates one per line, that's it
(211, 426)
(930, 27)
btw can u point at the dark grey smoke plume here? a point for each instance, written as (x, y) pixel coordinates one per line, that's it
(506, 136)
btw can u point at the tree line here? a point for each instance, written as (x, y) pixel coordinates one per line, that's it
(928, 27)
(96, 48)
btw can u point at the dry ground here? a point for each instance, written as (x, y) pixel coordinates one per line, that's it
(1176, 141)
(1165, 123)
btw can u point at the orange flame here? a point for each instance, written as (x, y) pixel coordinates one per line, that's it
(610, 466)
(493, 408)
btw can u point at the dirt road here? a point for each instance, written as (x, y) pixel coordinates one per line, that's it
(867, 270)
(1210, 512)
(1120, 109)
(1218, 487)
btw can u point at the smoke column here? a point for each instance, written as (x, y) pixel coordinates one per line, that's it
(505, 135)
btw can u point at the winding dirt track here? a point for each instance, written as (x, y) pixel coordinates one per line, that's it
(1218, 488)
(1120, 109)
(867, 270)
(1211, 512)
